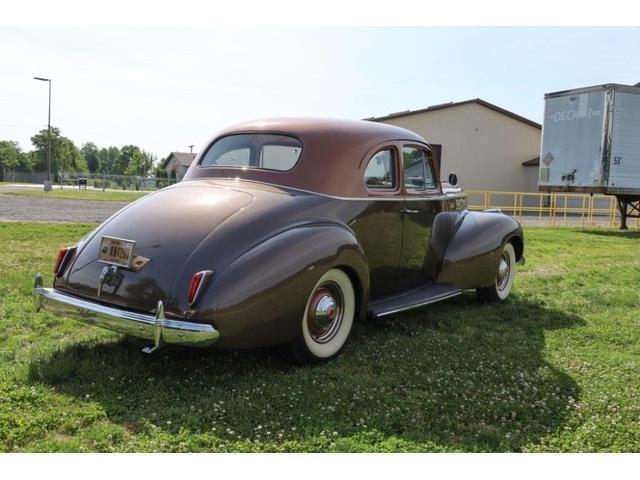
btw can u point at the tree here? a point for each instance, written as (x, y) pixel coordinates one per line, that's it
(10, 155)
(158, 169)
(70, 158)
(137, 161)
(29, 161)
(148, 162)
(109, 160)
(90, 154)
(130, 153)
(64, 154)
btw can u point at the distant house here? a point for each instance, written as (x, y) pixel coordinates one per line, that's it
(178, 163)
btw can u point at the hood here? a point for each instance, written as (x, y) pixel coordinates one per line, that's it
(168, 227)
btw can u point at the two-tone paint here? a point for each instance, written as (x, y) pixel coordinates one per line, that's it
(269, 236)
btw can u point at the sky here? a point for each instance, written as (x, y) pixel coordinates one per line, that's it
(164, 89)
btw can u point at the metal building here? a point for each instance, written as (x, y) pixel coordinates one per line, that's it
(488, 147)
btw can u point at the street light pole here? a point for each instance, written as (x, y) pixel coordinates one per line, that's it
(47, 185)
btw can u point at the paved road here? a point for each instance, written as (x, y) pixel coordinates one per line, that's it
(35, 209)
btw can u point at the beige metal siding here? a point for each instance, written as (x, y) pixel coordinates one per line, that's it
(484, 147)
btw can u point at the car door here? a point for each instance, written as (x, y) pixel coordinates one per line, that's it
(423, 200)
(379, 225)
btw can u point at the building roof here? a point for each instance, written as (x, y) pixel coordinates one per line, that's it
(183, 158)
(534, 162)
(442, 106)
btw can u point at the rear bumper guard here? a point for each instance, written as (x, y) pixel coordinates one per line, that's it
(156, 327)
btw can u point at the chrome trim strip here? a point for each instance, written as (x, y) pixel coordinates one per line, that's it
(411, 198)
(421, 304)
(151, 327)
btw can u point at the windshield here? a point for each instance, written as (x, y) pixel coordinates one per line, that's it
(256, 150)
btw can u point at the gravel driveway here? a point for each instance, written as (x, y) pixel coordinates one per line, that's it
(33, 209)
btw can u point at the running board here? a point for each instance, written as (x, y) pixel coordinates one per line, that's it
(417, 298)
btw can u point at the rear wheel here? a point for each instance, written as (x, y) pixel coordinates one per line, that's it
(501, 288)
(327, 319)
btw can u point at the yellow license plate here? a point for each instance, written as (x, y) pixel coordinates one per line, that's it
(116, 251)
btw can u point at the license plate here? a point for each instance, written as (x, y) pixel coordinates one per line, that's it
(116, 251)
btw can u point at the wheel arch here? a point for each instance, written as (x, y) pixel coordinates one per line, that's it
(259, 299)
(470, 259)
(518, 245)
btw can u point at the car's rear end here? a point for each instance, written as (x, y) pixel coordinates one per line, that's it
(142, 272)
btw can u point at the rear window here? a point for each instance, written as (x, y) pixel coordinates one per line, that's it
(255, 150)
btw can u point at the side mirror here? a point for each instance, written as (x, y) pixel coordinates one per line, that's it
(453, 179)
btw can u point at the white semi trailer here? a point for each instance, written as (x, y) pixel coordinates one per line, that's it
(591, 143)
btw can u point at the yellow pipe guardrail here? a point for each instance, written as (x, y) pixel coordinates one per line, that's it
(550, 208)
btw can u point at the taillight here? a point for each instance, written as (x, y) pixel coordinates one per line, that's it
(63, 259)
(196, 285)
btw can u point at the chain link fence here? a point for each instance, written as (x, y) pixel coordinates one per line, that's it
(102, 181)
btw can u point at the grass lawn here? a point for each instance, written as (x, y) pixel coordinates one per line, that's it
(554, 369)
(70, 193)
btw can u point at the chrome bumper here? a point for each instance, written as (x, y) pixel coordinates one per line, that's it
(156, 328)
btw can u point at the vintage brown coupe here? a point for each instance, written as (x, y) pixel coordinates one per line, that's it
(285, 232)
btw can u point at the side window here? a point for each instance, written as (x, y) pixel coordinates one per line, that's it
(418, 169)
(279, 157)
(380, 172)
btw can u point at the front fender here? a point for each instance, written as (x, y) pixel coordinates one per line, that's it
(470, 259)
(259, 300)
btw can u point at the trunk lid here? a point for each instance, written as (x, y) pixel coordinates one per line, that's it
(167, 226)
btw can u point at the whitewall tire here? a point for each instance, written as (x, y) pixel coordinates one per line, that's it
(328, 318)
(503, 283)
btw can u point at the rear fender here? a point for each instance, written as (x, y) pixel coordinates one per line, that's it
(470, 257)
(261, 297)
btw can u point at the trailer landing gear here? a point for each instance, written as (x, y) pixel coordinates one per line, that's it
(629, 207)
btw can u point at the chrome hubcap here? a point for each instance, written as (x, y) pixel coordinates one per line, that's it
(504, 270)
(324, 314)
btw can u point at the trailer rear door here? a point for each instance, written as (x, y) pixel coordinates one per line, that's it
(571, 154)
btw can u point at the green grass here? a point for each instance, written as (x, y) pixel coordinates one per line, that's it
(70, 193)
(554, 369)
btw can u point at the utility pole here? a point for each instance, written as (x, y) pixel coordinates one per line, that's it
(47, 184)
(191, 148)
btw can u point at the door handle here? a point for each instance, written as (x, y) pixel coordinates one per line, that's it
(408, 210)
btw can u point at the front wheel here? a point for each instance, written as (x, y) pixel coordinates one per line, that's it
(327, 319)
(501, 288)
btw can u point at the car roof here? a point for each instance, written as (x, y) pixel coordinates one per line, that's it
(332, 156)
(354, 129)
